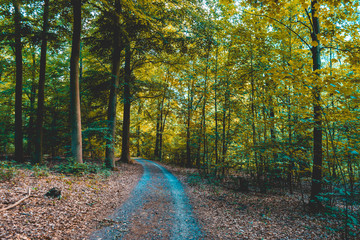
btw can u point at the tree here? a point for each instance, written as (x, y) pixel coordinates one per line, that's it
(125, 150)
(19, 155)
(115, 74)
(317, 151)
(75, 113)
(41, 88)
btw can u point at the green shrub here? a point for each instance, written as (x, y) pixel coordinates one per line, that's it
(104, 173)
(7, 171)
(72, 167)
(40, 171)
(194, 179)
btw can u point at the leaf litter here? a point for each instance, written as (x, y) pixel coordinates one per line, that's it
(85, 203)
(227, 214)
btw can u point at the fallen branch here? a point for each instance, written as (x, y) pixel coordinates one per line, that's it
(17, 203)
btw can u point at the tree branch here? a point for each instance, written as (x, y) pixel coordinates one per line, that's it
(304, 25)
(261, 15)
(17, 203)
(308, 15)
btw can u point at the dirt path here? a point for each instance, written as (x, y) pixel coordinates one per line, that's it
(158, 208)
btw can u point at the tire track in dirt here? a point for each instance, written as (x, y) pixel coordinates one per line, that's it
(157, 208)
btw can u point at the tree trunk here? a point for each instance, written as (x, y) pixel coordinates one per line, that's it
(157, 141)
(19, 152)
(204, 157)
(253, 125)
(161, 119)
(290, 148)
(125, 152)
(75, 113)
(138, 132)
(31, 129)
(317, 154)
(226, 107)
(188, 125)
(216, 111)
(116, 59)
(54, 142)
(188, 163)
(162, 128)
(40, 109)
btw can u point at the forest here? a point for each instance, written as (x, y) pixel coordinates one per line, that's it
(254, 95)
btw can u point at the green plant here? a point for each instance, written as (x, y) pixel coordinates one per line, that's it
(72, 167)
(7, 171)
(40, 171)
(194, 179)
(105, 173)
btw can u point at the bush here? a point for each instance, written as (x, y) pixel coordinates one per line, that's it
(40, 171)
(7, 171)
(72, 167)
(194, 179)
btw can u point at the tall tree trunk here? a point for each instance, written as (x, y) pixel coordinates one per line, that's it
(162, 128)
(253, 125)
(125, 151)
(290, 148)
(31, 129)
(226, 107)
(157, 141)
(138, 132)
(224, 135)
(188, 163)
(216, 110)
(40, 108)
(54, 142)
(204, 136)
(161, 132)
(19, 151)
(110, 142)
(317, 154)
(75, 113)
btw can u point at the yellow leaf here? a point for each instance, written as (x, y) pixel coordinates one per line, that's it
(225, 2)
(314, 43)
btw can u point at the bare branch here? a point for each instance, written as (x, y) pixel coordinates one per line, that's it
(304, 25)
(18, 202)
(308, 15)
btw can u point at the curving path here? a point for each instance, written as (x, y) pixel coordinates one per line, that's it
(157, 208)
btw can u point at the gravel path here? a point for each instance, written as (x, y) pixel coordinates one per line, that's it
(158, 208)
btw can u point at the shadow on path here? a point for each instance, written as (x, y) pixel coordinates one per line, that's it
(157, 208)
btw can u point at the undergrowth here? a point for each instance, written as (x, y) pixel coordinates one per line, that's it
(10, 169)
(7, 171)
(75, 168)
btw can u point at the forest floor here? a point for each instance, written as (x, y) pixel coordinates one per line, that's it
(88, 201)
(85, 203)
(227, 214)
